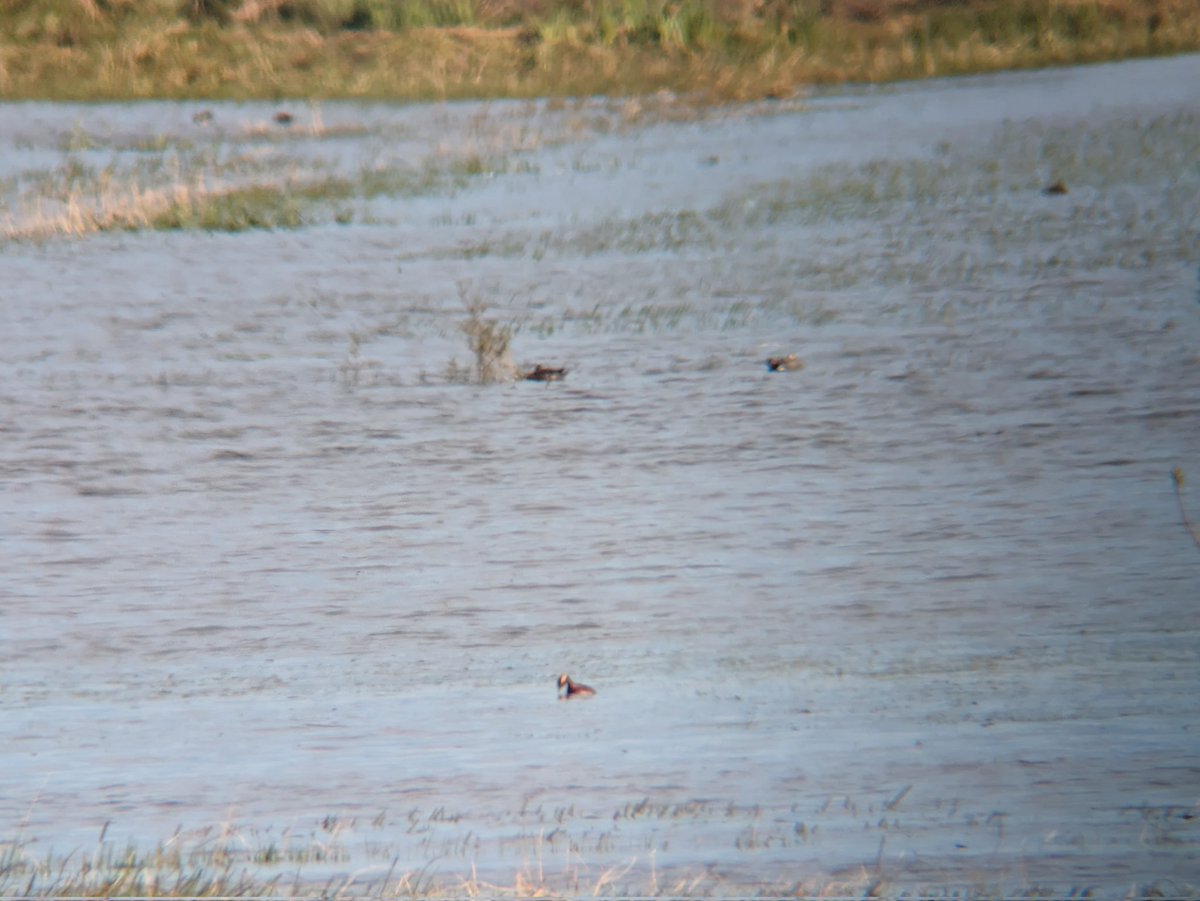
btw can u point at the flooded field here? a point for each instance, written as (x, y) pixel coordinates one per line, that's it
(283, 590)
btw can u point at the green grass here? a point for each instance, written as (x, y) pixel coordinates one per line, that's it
(256, 206)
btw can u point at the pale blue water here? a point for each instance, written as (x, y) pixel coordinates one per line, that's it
(924, 611)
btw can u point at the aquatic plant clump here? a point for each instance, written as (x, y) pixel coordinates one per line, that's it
(490, 342)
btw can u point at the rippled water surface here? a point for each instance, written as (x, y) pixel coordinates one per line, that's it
(276, 580)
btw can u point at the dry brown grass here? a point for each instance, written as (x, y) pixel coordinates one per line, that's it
(489, 340)
(127, 207)
(85, 49)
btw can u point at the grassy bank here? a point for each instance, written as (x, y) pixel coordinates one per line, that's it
(447, 49)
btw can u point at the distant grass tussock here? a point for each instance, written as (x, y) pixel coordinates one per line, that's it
(253, 206)
(490, 342)
(421, 49)
(182, 206)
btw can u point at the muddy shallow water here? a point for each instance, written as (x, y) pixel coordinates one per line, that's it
(923, 611)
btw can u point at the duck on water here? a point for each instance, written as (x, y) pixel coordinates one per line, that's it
(573, 689)
(542, 373)
(790, 363)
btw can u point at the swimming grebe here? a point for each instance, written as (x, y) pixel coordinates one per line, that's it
(790, 363)
(573, 689)
(542, 373)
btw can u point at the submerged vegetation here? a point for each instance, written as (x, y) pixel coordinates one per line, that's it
(1112, 168)
(243, 180)
(427, 49)
(212, 180)
(329, 859)
(228, 863)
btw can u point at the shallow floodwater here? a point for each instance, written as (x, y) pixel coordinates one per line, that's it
(277, 583)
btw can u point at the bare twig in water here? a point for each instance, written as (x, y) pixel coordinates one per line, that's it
(1177, 477)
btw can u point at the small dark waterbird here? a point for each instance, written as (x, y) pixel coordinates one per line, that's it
(790, 363)
(572, 689)
(542, 373)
